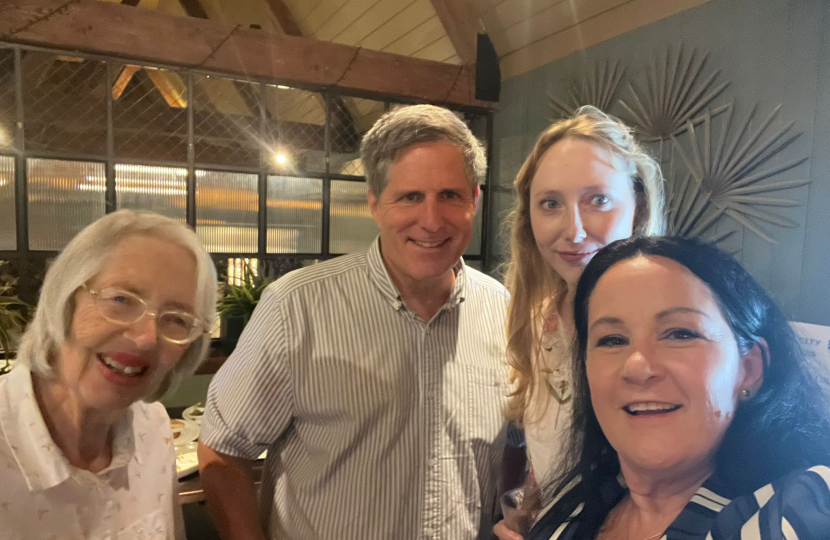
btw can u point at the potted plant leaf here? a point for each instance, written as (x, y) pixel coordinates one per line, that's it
(12, 321)
(238, 303)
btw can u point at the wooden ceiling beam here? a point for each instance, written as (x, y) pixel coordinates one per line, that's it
(460, 25)
(283, 15)
(123, 80)
(123, 31)
(194, 9)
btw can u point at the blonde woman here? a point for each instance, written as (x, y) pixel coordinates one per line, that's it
(586, 183)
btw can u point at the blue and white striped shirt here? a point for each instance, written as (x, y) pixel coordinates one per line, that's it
(378, 425)
(796, 507)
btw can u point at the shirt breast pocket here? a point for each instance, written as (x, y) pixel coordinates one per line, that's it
(486, 399)
(153, 526)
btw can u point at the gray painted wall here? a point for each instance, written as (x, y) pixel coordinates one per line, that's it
(773, 52)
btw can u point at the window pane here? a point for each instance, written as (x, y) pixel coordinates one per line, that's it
(295, 130)
(65, 103)
(8, 225)
(295, 217)
(351, 227)
(226, 121)
(8, 107)
(149, 113)
(351, 118)
(162, 190)
(226, 211)
(64, 197)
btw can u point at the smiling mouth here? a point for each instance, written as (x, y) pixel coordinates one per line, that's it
(650, 408)
(574, 256)
(430, 245)
(121, 369)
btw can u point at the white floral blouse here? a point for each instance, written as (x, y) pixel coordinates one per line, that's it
(43, 497)
(548, 417)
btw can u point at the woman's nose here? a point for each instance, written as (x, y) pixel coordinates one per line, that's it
(640, 369)
(576, 229)
(144, 332)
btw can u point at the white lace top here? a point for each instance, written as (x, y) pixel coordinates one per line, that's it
(549, 413)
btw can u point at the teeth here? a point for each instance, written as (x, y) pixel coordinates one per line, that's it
(428, 244)
(651, 406)
(129, 371)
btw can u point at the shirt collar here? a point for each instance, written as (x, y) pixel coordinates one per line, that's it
(42, 463)
(383, 281)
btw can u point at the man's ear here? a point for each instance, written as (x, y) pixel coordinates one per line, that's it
(477, 196)
(753, 364)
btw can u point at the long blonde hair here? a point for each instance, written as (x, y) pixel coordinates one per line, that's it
(534, 286)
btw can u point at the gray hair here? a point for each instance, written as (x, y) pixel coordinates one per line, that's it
(399, 129)
(82, 259)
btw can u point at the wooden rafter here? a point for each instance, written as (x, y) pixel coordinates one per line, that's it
(284, 17)
(113, 29)
(171, 86)
(460, 25)
(123, 80)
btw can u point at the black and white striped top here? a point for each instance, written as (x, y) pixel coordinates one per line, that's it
(796, 507)
(377, 424)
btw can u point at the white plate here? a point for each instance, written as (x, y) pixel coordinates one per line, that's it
(186, 460)
(188, 433)
(194, 413)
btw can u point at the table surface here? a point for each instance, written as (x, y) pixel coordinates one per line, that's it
(190, 487)
(191, 491)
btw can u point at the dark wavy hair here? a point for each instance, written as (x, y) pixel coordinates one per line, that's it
(784, 427)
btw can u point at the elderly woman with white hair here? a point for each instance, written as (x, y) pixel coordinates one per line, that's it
(123, 316)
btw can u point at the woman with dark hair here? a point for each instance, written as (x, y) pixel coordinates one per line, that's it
(696, 413)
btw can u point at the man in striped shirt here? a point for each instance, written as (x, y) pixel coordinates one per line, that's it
(374, 380)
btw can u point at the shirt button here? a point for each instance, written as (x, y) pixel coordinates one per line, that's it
(429, 532)
(430, 394)
(432, 462)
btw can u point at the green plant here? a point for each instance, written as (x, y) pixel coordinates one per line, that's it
(240, 300)
(12, 319)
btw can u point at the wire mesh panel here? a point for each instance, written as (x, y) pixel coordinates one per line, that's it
(351, 227)
(350, 119)
(162, 190)
(8, 109)
(8, 223)
(295, 130)
(295, 214)
(149, 113)
(226, 211)
(64, 197)
(65, 103)
(226, 121)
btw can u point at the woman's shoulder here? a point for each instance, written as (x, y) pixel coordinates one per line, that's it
(796, 505)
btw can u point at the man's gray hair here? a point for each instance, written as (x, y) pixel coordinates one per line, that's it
(82, 259)
(397, 130)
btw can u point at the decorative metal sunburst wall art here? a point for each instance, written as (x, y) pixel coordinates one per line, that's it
(598, 89)
(675, 93)
(729, 175)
